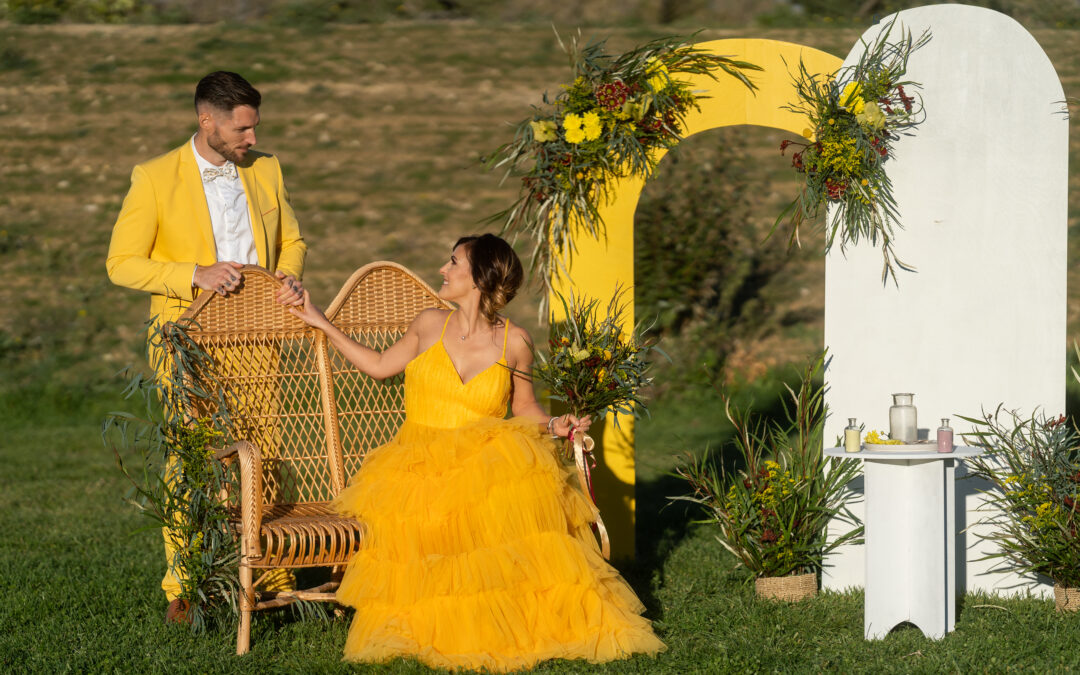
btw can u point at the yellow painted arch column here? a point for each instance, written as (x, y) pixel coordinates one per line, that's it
(599, 266)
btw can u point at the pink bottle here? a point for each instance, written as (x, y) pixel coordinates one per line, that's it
(944, 436)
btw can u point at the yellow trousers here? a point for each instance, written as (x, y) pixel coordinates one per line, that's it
(276, 580)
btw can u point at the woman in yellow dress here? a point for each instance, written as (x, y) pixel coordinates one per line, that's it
(479, 551)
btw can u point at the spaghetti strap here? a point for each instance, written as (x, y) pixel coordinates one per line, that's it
(506, 331)
(447, 323)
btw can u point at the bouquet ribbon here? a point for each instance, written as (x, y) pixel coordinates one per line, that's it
(583, 445)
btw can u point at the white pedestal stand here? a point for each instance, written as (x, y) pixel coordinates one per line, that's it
(910, 539)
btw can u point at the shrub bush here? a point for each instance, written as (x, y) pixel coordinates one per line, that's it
(700, 258)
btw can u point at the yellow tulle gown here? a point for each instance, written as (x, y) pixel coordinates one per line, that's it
(479, 551)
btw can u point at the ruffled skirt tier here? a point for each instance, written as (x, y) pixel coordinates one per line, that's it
(480, 554)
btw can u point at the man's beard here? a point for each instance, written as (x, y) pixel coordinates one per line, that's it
(218, 146)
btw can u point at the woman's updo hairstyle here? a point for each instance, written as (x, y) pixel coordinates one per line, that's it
(496, 271)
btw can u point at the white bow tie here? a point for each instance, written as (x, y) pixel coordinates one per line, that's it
(228, 170)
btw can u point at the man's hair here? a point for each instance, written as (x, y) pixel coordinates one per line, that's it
(226, 91)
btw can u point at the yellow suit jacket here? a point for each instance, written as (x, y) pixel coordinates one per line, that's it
(164, 227)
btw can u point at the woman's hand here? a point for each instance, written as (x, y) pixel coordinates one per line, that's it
(562, 426)
(309, 313)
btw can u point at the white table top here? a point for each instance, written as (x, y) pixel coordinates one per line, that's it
(960, 451)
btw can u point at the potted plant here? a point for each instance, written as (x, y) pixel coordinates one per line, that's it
(774, 507)
(1033, 465)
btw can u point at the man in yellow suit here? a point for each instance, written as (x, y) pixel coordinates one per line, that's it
(196, 214)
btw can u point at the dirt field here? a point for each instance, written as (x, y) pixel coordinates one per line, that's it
(379, 129)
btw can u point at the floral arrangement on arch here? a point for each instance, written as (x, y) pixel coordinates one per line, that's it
(854, 120)
(605, 125)
(1033, 464)
(773, 508)
(593, 366)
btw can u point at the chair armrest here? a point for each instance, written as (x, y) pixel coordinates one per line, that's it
(251, 491)
(226, 455)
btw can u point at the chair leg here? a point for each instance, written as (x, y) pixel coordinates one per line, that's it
(247, 603)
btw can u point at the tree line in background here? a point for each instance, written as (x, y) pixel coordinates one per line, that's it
(772, 13)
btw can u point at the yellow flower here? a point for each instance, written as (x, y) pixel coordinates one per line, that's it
(864, 182)
(832, 121)
(543, 131)
(575, 135)
(841, 154)
(641, 107)
(600, 375)
(607, 353)
(852, 91)
(808, 133)
(871, 116)
(579, 355)
(658, 75)
(879, 438)
(572, 121)
(579, 175)
(592, 126)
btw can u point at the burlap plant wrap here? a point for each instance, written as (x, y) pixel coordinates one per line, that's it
(791, 588)
(1066, 598)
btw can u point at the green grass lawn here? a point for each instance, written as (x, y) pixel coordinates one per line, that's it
(379, 128)
(80, 586)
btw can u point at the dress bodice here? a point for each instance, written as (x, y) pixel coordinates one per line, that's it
(435, 396)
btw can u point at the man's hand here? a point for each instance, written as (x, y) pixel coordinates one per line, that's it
(291, 293)
(221, 278)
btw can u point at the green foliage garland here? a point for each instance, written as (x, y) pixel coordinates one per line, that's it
(183, 487)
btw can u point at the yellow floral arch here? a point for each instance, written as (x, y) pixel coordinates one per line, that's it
(599, 266)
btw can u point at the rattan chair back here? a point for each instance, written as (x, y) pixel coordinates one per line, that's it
(374, 308)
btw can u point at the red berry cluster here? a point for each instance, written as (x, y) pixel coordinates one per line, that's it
(904, 98)
(612, 95)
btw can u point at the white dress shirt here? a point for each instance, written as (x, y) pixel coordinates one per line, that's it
(227, 202)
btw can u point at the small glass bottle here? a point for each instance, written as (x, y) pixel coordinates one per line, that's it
(903, 425)
(944, 436)
(852, 442)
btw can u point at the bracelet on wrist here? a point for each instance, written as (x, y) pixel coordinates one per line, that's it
(551, 426)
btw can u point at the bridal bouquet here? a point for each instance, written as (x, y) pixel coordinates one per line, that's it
(604, 125)
(854, 120)
(592, 365)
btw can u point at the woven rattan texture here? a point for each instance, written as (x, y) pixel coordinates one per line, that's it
(375, 308)
(307, 535)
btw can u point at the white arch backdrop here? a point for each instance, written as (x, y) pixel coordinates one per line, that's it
(982, 191)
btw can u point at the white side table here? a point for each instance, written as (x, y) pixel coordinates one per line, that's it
(910, 539)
